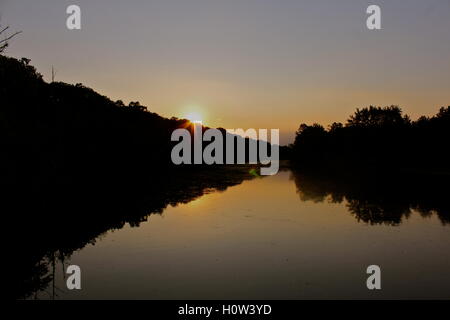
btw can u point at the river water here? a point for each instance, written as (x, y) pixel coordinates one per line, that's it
(278, 237)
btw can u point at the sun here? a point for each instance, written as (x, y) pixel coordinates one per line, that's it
(194, 117)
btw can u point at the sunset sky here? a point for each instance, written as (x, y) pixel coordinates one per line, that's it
(244, 63)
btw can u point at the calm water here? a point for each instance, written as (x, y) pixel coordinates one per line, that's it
(267, 239)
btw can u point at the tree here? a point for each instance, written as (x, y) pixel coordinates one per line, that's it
(4, 42)
(378, 117)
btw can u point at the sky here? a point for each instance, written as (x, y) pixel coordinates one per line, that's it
(244, 63)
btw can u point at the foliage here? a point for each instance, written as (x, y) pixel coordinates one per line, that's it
(376, 138)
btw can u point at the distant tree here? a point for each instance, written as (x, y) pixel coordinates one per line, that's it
(310, 142)
(137, 106)
(378, 117)
(376, 137)
(444, 113)
(335, 126)
(120, 103)
(314, 130)
(25, 61)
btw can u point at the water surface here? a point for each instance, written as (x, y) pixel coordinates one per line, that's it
(278, 237)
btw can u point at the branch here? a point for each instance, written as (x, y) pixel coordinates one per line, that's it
(11, 36)
(6, 28)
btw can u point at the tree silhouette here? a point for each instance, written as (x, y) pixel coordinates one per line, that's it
(5, 41)
(376, 138)
(378, 117)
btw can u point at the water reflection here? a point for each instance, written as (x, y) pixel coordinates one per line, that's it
(275, 237)
(59, 222)
(378, 199)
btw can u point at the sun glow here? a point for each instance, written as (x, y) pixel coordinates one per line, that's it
(194, 117)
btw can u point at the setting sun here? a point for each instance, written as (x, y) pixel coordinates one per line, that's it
(194, 117)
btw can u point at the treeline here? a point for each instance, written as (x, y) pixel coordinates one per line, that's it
(57, 133)
(376, 138)
(62, 133)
